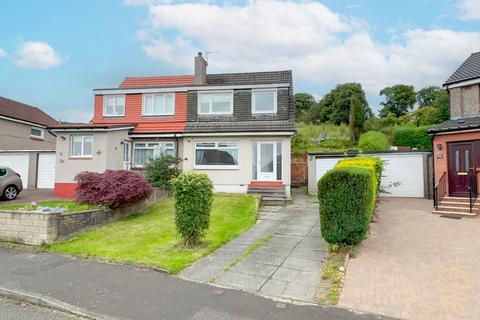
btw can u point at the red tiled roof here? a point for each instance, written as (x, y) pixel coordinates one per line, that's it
(159, 127)
(91, 126)
(20, 111)
(163, 81)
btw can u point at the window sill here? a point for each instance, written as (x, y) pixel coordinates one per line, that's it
(158, 115)
(113, 116)
(137, 168)
(81, 158)
(216, 167)
(264, 112)
(36, 138)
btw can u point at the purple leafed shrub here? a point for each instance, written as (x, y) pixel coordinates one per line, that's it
(113, 188)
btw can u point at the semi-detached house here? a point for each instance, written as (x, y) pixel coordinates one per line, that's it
(236, 127)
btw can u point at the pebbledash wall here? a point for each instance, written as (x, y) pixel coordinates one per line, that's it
(36, 228)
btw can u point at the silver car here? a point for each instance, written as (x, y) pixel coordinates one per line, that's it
(10, 183)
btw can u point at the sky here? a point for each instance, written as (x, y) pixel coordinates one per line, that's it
(54, 52)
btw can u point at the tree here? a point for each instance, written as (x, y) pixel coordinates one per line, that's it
(335, 105)
(357, 119)
(437, 98)
(302, 102)
(399, 99)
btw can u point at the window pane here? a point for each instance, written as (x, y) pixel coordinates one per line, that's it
(264, 101)
(467, 160)
(221, 102)
(227, 145)
(169, 104)
(148, 107)
(119, 110)
(76, 146)
(254, 160)
(109, 105)
(142, 156)
(119, 105)
(109, 110)
(87, 146)
(158, 104)
(206, 144)
(266, 157)
(457, 161)
(279, 161)
(223, 157)
(36, 132)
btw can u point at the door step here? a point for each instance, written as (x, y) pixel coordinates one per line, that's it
(457, 207)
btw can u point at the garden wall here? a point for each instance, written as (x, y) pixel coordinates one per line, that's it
(36, 228)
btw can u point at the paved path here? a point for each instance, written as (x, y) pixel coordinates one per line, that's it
(130, 293)
(13, 310)
(287, 260)
(416, 265)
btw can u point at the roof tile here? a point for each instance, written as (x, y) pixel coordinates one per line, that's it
(20, 111)
(469, 70)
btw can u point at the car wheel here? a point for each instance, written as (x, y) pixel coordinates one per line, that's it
(10, 193)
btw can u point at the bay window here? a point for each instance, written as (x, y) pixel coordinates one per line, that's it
(210, 155)
(143, 152)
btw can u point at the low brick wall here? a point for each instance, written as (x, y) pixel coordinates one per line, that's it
(36, 228)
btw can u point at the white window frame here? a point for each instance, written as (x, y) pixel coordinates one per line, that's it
(115, 96)
(41, 136)
(83, 155)
(216, 166)
(155, 150)
(153, 95)
(211, 93)
(255, 91)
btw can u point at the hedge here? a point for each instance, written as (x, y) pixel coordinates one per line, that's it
(347, 196)
(373, 141)
(414, 137)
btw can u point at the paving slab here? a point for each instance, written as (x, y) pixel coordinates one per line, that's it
(287, 265)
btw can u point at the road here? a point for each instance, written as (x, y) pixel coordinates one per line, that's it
(13, 310)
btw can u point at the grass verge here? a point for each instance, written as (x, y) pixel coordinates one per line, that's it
(333, 275)
(151, 238)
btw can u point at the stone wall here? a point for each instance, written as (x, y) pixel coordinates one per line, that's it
(36, 228)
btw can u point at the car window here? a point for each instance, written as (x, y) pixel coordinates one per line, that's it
(3, 172)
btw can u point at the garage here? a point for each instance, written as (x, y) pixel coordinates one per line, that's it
(46, 170)
(18, 162)
(405, 174)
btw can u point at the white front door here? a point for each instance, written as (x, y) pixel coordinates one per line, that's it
(266, 161)
(127, 155)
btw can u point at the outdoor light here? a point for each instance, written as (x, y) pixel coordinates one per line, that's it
(439, 146)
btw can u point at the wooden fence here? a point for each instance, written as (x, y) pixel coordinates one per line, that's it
(299, 170)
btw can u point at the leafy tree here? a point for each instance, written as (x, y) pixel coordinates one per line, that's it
(161, 171)
(426, 115)
(399, 99)
(437, 98)
(335, 105)
(302, 102)
(357, 119)
(373, 141)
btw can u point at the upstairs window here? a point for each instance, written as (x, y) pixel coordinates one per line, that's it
(114, 106)
(36, 133)
(81, 146)
(215, 102)
(158, 104)
(264, 101)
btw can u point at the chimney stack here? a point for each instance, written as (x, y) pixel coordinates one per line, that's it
(200, 70)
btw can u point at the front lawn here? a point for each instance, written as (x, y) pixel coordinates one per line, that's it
(150, 238)
(70, 206)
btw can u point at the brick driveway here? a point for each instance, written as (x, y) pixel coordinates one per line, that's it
(416, 265)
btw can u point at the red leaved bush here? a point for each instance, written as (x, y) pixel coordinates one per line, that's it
(113, 188)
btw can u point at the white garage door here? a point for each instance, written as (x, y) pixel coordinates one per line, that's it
(402, 174)
(46, 170)
(18, 162)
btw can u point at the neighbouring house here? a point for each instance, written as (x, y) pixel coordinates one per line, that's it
(236, 127)
(25, 143)
(456, 143)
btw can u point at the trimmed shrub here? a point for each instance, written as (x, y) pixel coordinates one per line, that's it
(193, 193)
(345, 197)
(373, 141)
(414, 137)
(113, 188)
(160, 172)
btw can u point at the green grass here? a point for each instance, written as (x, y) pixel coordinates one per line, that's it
(70, 206)
(151, 238)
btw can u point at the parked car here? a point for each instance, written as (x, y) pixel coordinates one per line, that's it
(10, 183)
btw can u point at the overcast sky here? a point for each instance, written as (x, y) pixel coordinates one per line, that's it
(54, 52)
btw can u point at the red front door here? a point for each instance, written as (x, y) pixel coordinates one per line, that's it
(460, 161)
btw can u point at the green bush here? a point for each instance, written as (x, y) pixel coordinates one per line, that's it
(414, 137)
(193, 194)
(160, 172)
(373, 141)
(347, 195)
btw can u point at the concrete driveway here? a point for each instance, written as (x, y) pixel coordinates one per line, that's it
(416, 265)
(29, 195)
